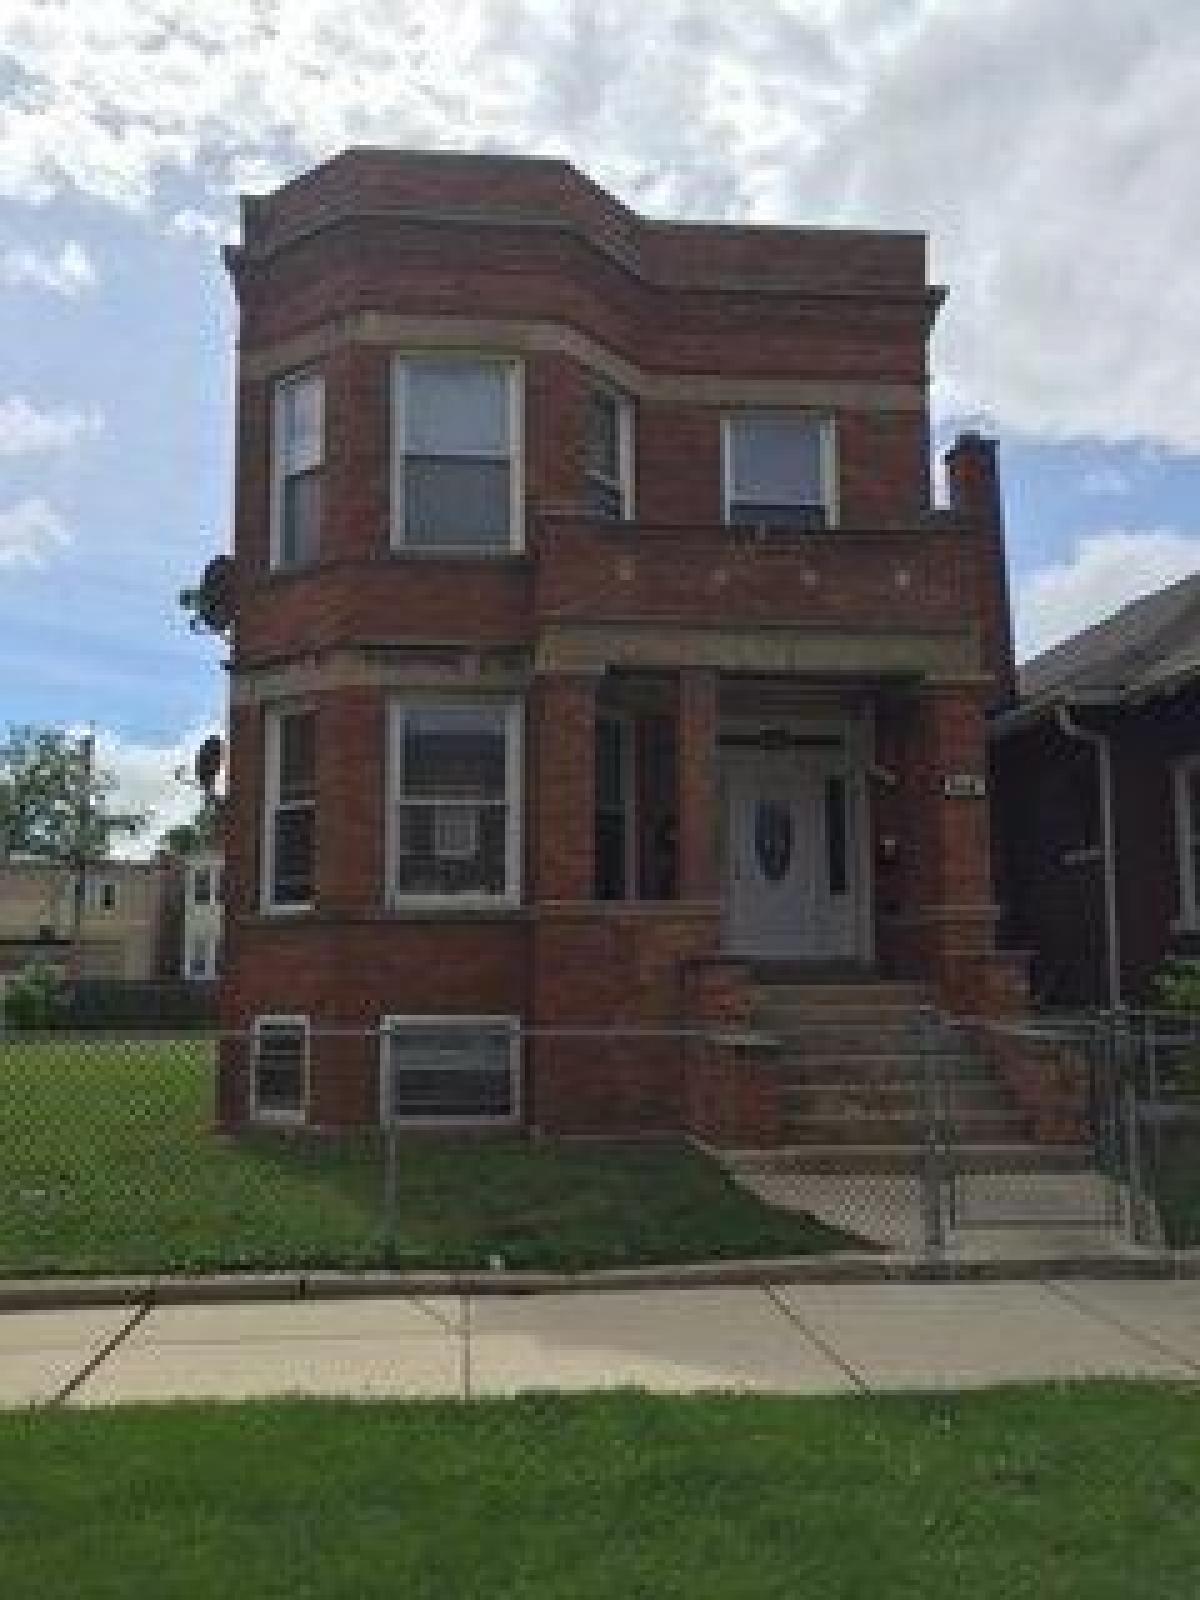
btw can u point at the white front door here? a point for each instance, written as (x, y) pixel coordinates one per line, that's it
(790, 856)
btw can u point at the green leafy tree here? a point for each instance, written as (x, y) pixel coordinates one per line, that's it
(198, 834)
(54, 802)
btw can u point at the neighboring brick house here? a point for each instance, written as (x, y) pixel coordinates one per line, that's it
(129, 924)
(596, 642)
(1097, 803)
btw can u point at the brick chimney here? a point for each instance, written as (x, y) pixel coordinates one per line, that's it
(974, 486)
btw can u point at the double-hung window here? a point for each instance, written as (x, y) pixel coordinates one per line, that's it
(297, 467)
(450, 1070)
(202, 886)
(455, 784)
(456, 456)
(780, 470)
(608, 455)
(1187, 826)
(280, 1079)
(289, 854)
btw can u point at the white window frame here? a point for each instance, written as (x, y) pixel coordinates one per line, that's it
(828, 456)
(280, 387)
(272, 1114)
(95, 895)
(273, 716)
(1187, 843)
(626, 435)
(399, 1022)
(514, 730)
(515, 367)
(205, 967)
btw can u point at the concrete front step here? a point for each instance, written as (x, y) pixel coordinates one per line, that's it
(849, 1159)
(859, 1066)
(964, 1130)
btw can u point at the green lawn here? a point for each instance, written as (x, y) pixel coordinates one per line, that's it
(1091, 1491)
(107, 1163)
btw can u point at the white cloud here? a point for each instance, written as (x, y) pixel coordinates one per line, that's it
(68, 273)
(192, 224)
(29, 531)
(147, 781)
(1049, 148)
(1105, 480)
(25, 430)
(1104, 572)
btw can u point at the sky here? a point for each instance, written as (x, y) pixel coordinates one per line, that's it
(1048, 147)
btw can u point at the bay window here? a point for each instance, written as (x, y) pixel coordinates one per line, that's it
(297, 468)
(454, 807)
(608, 455)
(456, 460)
(289, 846)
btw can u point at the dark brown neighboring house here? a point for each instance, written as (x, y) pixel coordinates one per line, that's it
(1096, 777)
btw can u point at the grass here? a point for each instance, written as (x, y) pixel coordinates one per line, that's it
(108, 1164)
(1060, 1492)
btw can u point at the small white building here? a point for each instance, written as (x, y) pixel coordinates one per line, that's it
(203, 913)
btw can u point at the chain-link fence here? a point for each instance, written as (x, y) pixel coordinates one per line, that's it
(894, 1129)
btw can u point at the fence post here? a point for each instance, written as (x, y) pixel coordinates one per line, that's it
(390, 1160)
(1133, 1159)
(931, 1164)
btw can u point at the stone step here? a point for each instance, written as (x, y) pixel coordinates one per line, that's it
(892, 1029)
(964, 1128)
(820, 986)
(824, 1098)
(848, 1159)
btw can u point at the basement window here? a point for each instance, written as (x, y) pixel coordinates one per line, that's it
(280, 1078)
(450, 1070)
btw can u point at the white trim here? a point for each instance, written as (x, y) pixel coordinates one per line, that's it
(272, 717)
(828, 451)
(398, 384)
(399, 1022)
(268, 1114)
(626, 431)
(279, 389)
(513, 709)
(1187, 844)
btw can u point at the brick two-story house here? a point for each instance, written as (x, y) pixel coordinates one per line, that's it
(596, 644)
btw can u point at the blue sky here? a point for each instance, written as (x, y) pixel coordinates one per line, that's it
(1048, 150)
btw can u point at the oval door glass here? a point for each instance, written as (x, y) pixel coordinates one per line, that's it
(773, 839)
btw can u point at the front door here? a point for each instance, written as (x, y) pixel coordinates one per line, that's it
(789, 859)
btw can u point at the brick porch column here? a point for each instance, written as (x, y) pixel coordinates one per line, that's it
(955, 909)
(696, 760)
(561, 811)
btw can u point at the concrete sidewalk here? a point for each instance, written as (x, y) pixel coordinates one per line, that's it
(794, 1338)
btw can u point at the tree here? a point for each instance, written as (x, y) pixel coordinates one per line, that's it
(54, 803)
(198, 834)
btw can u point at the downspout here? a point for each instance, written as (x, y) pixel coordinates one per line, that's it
(1102, 745)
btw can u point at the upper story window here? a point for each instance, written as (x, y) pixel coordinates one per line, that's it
(455, 787)
(297, 466)
(456, 458)
(608, 439)
(100, 894)
(780, 470)
(290, 845)
(202, 886)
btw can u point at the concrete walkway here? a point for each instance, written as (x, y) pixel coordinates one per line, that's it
(795, 1338)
